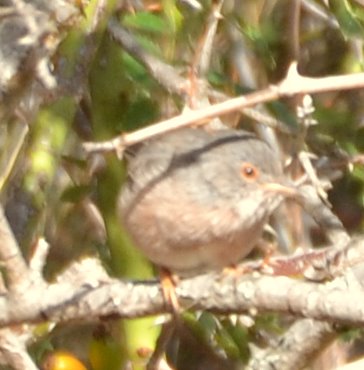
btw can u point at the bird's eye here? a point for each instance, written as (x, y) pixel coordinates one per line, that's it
(249, 171)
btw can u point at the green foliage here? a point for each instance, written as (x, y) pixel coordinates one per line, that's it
(146, 22)
(349, 16)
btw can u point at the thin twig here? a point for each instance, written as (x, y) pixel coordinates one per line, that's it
(203, 56)
(162, 72)
(292, 84)
(319, 12)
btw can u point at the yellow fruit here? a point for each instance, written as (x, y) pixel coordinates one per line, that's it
(62, 360)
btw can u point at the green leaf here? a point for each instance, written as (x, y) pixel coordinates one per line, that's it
(347, 18)
(240, 336)
(227, 343)
(173, 15)
(147, 22)
(75, 193)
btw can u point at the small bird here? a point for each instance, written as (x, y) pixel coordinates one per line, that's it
(197, 200)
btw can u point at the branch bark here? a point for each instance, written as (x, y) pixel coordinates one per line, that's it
(291, 85)
(95, 295)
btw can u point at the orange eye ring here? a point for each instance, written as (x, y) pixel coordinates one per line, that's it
(249, 171)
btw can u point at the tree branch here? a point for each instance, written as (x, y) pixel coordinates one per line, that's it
(85, 292)
(292, 84)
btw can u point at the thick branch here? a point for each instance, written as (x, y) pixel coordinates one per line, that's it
(296, 349)
(10, 255)
(86, 296)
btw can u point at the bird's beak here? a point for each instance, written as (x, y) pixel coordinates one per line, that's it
(288, 190)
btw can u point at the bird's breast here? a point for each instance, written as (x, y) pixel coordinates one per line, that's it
(186, 236)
